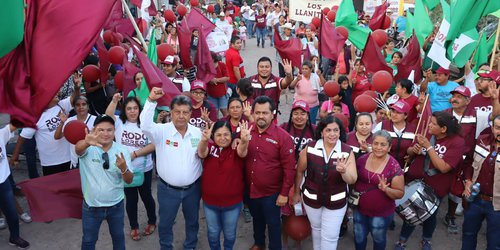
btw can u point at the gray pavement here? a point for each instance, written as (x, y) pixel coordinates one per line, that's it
(66, 234)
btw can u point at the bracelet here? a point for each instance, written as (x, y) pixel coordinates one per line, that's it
(135, 154)
(126, 170)
(429, 148)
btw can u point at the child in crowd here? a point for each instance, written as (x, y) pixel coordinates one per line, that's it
(243, 33)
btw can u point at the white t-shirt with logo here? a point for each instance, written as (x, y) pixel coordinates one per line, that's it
(51, 151)
(131, 136)
(90, 124)
(5, 136)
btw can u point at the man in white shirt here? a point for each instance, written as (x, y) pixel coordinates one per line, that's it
(251, 20)
(178, 165)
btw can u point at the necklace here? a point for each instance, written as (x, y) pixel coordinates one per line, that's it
(375, 172)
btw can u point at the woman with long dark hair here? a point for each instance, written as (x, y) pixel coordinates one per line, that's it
(129, 134)
(299, 126)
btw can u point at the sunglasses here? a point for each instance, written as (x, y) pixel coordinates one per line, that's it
(105, 157)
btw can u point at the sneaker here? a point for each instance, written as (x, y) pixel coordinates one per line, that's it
(426, 245)
(450, 223)
(399, 246)
(3, 223)
(25, 217)
(19, 243)
(460, 210)
(247, 215)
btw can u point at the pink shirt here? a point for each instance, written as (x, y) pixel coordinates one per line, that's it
(328, 107)
(307, 90)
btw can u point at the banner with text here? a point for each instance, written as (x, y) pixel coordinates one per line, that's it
(305, 10)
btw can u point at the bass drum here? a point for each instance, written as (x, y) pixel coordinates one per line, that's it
(418, 203)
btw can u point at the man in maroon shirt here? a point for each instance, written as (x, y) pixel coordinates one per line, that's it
(483, 167)
(234, 64)
(270, 172)
(267, 84)
(482, 102)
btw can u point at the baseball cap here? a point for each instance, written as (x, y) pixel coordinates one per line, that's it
(299, 104)
(104, 118)
(222, 13)
(287, 26)
(479, 72)
(401, 106)
(462, 90)
(442, 70)
(198, 84)
(169, 60)
(493, 74)
(163, 108)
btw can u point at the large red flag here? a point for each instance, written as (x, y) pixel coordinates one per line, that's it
(372, 57)
(53, 197)
(56, 40)
(156, 78)
(151, 9)
(129, 71)
(330, 42)
(118, 23)
(410, 62)
(378, 19)
(195, 20)
(203, 60)
(289, 49)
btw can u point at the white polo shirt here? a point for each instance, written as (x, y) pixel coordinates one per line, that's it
(5, 136)
(177, 160)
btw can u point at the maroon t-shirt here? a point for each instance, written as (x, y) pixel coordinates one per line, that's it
(260, 21)
(468, 124)
(413, 102)
(219, 89)
(451, 150)
(375, 203)
(222, 180)
(480, 102)
(352, 140)
(196, 120)
(296, 134)
(487, 172)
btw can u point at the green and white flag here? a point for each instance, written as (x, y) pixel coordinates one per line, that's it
(462, 48)
(11, 25)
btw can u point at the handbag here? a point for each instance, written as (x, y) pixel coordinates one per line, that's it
(354, 195)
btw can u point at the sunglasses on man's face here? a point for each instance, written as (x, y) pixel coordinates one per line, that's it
(105, 157)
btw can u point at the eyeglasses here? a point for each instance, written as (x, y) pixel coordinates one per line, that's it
(198, 93)
(105, 157)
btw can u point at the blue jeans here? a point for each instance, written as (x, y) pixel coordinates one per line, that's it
(261, 36)
(30, 153)
(223, 219)
(92, 218)
(429, 226)
(313, 113)
(473, 219)
(221, 102)
(377, 226)
(265, 213)
(8, 207)
(132, 195)
(250, 27)
(169, 200)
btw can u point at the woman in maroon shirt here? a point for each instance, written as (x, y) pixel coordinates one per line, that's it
(222, 181)
(359, 80)
(361, 138)
(217, 87)
(260, 27)
(381, 181)
(299, 126)
(445, 151)
(238, 111)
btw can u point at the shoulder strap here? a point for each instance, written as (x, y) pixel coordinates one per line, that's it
(430, 172)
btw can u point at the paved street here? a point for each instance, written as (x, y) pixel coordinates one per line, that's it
(66, 234)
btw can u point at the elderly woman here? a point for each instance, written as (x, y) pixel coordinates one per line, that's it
(381, 181)
(307, 87)
(330, 166)
(360, 138)
(222, 181)
(401, 131)
(444, 152)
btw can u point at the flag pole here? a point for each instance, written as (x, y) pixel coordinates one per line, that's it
(423, 108)
(139, 34)
(495, 46)
(477, 46)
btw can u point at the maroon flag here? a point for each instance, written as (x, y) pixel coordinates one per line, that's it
(372, 57)
(118, 23)
(195, 20)
(289, 49)
(156, 78)
(103, 59)
(306, 54)
(151, 9)
(330, 42)
(203, 60)
(378, 19)
(56, 40)
(53, 197)
(129, 71)
(410, 62)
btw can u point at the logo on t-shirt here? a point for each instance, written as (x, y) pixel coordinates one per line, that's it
(52, 123)
(133, 139)
(440, 149)
(198, 122)
(303, 142)
(172, 143)
(488, 108)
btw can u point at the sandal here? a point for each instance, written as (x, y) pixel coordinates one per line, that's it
(149, 229)
(134, 234)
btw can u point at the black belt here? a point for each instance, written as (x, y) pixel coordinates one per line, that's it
(179, 188)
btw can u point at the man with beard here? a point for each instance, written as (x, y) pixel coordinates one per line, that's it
(482, 102)
(267, 84)
(270, 171)
(483, 168)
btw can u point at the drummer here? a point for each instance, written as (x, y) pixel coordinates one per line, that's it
(401, 131)
(360, 138)
(381, 180)
(435, 162)
(484, 171)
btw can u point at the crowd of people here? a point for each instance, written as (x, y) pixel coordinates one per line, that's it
(218, 144)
